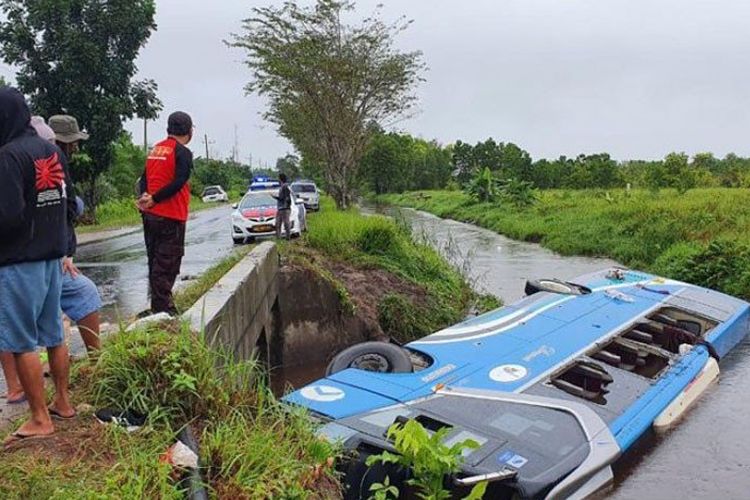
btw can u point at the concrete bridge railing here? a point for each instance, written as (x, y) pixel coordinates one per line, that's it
(241, 311)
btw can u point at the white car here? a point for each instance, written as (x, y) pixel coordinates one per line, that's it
(307, 192)
(255, 217)
(214, 194)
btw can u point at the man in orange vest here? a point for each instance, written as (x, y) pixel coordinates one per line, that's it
(164, 202)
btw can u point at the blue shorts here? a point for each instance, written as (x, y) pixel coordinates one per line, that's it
(30, 306)
(79, 297)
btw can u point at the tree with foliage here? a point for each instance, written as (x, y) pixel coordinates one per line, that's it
(679, 174)
(394, 163)
(289, 165)
(146, 105)
(228, 174)
(127, 166)
(327, 81)
(78, 57)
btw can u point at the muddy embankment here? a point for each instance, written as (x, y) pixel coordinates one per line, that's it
(327, 306)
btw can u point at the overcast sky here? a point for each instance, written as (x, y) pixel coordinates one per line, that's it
(636, 78)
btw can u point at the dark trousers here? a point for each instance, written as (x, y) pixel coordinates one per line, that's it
(165, 246)
(283, 219)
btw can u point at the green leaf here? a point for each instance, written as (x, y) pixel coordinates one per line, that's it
(477, 492)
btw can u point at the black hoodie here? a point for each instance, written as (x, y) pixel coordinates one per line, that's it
(33, 180)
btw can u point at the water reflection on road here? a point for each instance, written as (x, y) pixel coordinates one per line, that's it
(119, 266)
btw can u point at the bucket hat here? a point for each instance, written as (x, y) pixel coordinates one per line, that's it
(66, 129)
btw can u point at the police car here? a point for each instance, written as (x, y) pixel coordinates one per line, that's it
(255, 215)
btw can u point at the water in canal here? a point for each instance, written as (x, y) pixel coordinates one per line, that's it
(706, 456)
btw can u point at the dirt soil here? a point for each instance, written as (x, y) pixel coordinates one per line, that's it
(81, 439)
(366, 286)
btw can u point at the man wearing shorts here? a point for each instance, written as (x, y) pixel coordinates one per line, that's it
(80, 299)
(33, 239)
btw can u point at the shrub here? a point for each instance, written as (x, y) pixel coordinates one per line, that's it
(519, 193)
(429, 458)
(378, 239)
(171, 375)
(485, 186)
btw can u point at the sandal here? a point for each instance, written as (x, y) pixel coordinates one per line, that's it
(59, 416)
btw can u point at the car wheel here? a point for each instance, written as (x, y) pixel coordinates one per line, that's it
(379, 357)
(238, 241)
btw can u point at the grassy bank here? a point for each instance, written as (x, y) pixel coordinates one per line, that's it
(701, 236)
(251, 446)
(428, 294)
(116, 214)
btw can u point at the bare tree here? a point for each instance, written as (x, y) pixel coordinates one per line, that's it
(327, 81)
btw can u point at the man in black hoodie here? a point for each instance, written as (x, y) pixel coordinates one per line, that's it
(33, 239)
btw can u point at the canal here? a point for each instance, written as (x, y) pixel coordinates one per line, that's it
(706, 456)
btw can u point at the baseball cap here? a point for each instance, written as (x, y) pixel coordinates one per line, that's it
(179, 123)
(66, 129)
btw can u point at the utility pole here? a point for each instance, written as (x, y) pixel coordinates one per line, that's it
(145, 135)
(236, 147)
(205, 139)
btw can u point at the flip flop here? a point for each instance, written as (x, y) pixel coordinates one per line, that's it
(59, 416)
(18, 401)
(17, 437)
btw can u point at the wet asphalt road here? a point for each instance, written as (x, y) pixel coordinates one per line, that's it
(119, 265)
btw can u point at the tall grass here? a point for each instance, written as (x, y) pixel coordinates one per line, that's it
(251, 445)
(381, 243)
(700, 236)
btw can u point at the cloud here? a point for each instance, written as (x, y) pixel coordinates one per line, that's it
(636, 78)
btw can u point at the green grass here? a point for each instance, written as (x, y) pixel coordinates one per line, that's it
(116, 214)
(251, 445)
(186, 297)
(701, 236)
(379, 243)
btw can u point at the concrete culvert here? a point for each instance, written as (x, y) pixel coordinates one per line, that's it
(372, 356)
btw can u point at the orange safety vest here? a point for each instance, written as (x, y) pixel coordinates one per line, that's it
(160, 171)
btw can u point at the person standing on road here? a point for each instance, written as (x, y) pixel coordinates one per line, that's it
(284, 208)
(33, 240)
(164, 202)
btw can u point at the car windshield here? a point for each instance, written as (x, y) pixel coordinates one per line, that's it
(257, 200)
(303, 188)
(210, 191)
